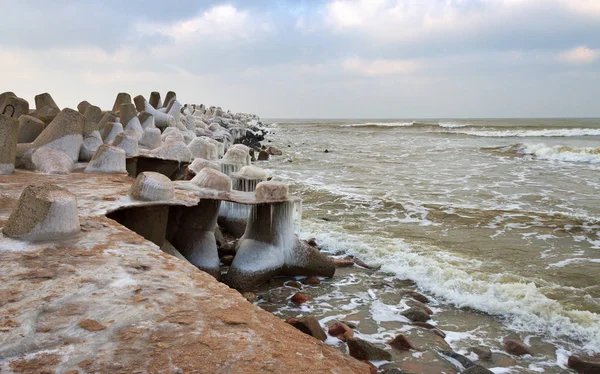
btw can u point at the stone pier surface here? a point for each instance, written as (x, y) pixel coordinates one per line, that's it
(106, 300)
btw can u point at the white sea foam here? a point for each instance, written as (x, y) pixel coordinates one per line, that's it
(561, 153)
(380, 124)
(451, 125)
(529, 133)
(522, 304)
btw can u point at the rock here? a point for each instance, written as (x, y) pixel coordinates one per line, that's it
(250, 297)
(516, 348)
(585, 364)
(299, 298)
(262, 156)
(312, 280)
(308, 325)
(416, 314)
(227, 260)
(308, 260)
(372, 368)
(29, 128)
(423, 307)
(401, 343)
(274, 151)
(415, 295)
(293, 284)
(390, 369)
(484, 353)
(312, 242)
(151, 186)
(350, 324)
(342, 262)
(477, 369)
(340, 331)
(9, 133)
(43, 212)
(465, 362)
(364, 350)
(326, 151)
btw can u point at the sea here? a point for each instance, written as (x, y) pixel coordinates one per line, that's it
(496, 220)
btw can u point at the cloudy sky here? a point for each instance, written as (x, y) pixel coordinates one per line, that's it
(326, 59)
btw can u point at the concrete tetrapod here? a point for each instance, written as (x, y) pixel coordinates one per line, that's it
(269, 234)
(107, 160)
(63, 133)
(195, 237)
(161, 119)
(233, 216)
(29, 128)
(151, 186)
(44, 212)
(9, 132)
(130, 121)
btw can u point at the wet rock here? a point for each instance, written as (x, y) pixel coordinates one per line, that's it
(585, 364)
(293, 284)
(350, 324)
(340, 331)
(299, 299)
(273, 151)
(312, 280)
(342, 262)
(423, 307)
(227, 260)
(390, 369)
(262, 156)
(312, 242)
(372, 368)
(364, 350)
(484, 353)
(516, 348)
(308, 325)
(402, 343)
(465, 362)
(416, 314)
(250, 297)
(326, 151)
(415, 295)
(477, 369)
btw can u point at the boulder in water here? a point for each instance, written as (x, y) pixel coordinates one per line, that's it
(364, 350)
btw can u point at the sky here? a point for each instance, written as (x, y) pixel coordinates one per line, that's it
(312, 59)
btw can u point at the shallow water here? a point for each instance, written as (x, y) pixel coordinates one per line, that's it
(498, 216)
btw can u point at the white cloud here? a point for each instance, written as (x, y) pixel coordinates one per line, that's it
(379, 67)
(221, 23)
(400, 20)
(580, 55)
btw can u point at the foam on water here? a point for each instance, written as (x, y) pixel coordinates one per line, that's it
(561, 153)
(380, 124)
(528, 133)
(523, 305)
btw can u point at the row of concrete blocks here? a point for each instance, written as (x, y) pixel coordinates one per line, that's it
(268, 246)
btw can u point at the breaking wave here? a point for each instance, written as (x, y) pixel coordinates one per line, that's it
(528, 133)
(380, 124)
(522, 304)
(559, 153)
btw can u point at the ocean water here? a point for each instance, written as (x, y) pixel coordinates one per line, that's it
(494, 216)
